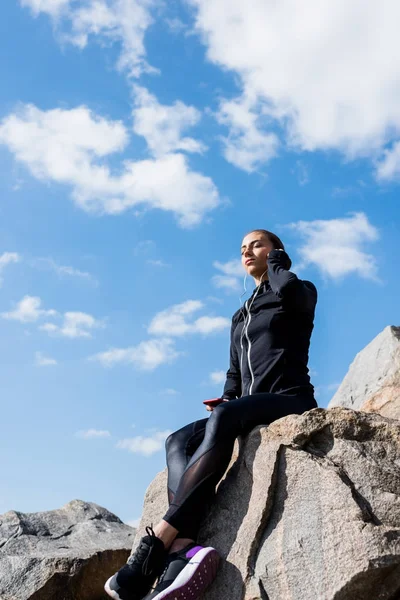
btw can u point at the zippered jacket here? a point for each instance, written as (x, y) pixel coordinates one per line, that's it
(270, 335)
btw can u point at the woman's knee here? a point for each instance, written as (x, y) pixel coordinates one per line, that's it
(176, 441)
(172, 442)
(220, 421)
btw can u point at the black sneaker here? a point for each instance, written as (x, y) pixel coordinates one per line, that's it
(187, 574)
(135, 579)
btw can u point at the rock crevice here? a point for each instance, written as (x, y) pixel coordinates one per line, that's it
(309, 509)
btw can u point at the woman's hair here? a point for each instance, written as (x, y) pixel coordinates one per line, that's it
(275, 241)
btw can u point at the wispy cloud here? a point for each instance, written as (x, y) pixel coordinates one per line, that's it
(325, 389)
(146, 356)
(337, 246)
(7, 258)
(28, 310)
(176, 25)
(247, 146)
(157, 263)
(44, 361)
(302, 172)
(169, 392)
(120, 21)
(145, 445)
(232, 275)
(75, 325)
(133, 523)
(62, 270)
(144, 247)
(388, 167)
(90, 434)
(178, 321)
(218, 377)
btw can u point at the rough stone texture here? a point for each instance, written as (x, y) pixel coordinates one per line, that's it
(64, 554)
(372, 383)
(310, 510)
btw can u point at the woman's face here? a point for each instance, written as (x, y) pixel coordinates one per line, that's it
(255, 248)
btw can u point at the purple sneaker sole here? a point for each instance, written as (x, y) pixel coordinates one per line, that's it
(191, 582)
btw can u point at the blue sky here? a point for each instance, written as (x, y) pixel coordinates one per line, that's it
(139, 142)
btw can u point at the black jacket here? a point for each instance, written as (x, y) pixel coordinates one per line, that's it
(270, 335)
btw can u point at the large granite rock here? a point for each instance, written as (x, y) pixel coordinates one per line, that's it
(310, 510)
(64, 554)
(372, 383)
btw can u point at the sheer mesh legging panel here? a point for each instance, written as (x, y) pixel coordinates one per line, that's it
(180, 447)
(209, 461)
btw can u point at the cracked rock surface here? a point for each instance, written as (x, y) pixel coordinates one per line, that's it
(64, 554)
(308, 510)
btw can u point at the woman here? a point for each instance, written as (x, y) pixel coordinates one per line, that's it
(267, 379)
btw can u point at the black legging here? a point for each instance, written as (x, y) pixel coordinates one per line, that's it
(199, 453)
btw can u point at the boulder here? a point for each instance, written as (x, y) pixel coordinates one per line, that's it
(64, 554)
(309, 510)
(372, 383)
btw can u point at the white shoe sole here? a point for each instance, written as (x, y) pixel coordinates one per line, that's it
(111, 592)
(200, 571)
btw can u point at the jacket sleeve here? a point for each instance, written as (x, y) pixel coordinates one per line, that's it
(233, 384)
(287, 285)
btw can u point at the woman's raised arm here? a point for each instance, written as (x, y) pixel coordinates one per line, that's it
(286, 284)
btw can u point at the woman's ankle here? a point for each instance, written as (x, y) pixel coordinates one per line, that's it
(166, 533)
(179, 544)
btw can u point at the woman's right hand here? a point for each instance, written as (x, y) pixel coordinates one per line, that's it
(211, 408)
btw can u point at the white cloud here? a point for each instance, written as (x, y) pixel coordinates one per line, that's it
(175, 321)
(163, 126)
(28, 310)
(336, 246)
(144, 247)
(75, 325)
(146, 356)
(7, 258)
(122, 21)
(70, 146)
(157, 263)
(44, 361)
(247, 145)
(90, 434)
(145, 445)
(61, 270)
(233, 273)
(301, 172)
(176, 25)
(54, 8)
(218, 377)
(389, 166)
(227, 282)
(169, 392)
(328, 73)
(133, 523)
(147, 247)
(322, 390)
(332, 387)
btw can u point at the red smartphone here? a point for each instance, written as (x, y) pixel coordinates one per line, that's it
(213, 402)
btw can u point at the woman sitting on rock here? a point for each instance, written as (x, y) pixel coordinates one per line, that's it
(267, 379)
